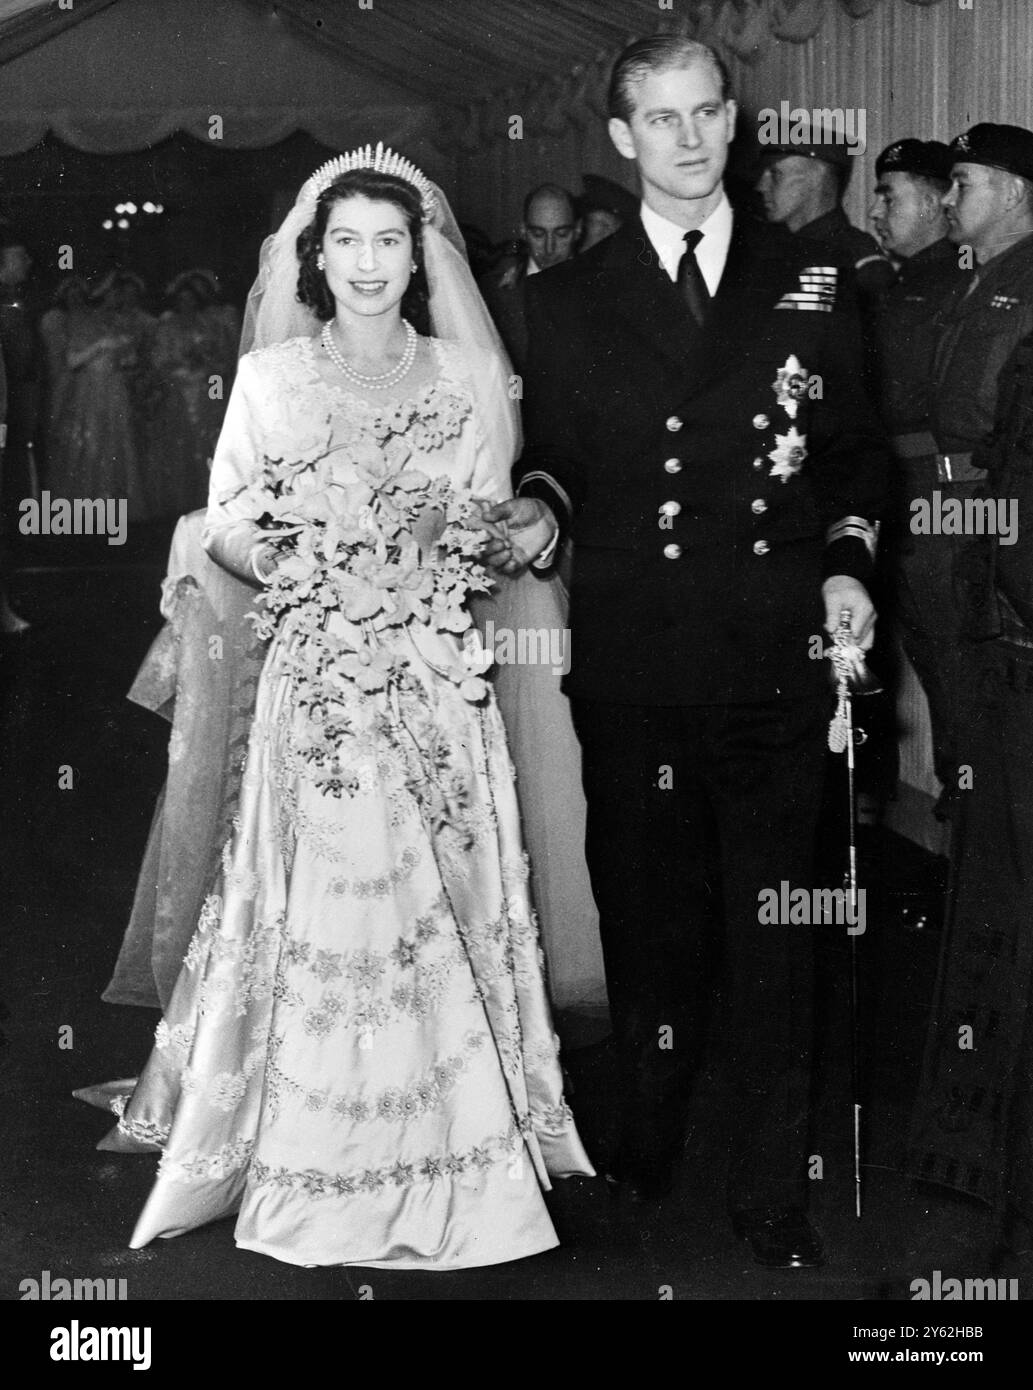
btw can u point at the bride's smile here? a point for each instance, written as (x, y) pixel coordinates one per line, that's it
(368, 257)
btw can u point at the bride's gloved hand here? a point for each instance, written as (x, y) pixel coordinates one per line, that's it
(520, 529)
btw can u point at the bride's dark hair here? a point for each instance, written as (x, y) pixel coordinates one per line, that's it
(314, 292)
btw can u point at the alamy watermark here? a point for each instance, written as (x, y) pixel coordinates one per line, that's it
(811, 907)
(824, 125)
(74, 516)
(938, 1289)
(522, 646)
(969, 516)
(47, 1289)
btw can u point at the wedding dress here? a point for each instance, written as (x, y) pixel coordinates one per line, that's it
(358, 1055)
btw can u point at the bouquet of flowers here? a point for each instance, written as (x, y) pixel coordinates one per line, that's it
(384, 546)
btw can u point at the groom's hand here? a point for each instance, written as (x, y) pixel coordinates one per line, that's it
(521, 529)
(841, 591)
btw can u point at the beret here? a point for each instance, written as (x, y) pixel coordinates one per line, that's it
(1008, 147)
(931, 158)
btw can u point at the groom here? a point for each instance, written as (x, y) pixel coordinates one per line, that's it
(695, 419)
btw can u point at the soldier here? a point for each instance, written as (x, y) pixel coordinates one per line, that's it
(911, 224)
(990, 217)
(972, 1127)
(802, 187)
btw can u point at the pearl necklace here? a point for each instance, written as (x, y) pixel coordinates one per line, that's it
(383, 379)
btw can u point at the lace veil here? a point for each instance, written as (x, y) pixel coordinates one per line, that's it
(457, 312)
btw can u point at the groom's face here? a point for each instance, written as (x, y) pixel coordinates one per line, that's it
(678, 135)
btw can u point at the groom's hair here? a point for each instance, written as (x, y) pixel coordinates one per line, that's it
(663, 53)
(313, 289)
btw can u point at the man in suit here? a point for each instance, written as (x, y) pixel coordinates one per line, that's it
(550, 228)
(695, 418)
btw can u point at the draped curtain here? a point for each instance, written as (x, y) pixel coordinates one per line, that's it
(509, 93)
(926, 68)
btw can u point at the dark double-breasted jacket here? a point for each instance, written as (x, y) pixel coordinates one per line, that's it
(710, 478)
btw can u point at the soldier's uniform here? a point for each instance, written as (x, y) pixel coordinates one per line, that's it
(873, 272)
(850, 248)
(972, 1126)
(979, 332)
(907, 325)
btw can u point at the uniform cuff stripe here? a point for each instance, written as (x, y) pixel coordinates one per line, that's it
(539, 476)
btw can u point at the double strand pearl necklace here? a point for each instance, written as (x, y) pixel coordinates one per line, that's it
(383, 379)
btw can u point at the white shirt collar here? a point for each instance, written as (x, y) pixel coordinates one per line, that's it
(668, 241)
(533, 268)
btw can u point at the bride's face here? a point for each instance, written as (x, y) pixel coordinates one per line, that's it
(368, 251)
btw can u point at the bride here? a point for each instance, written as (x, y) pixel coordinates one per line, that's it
(358, 1056)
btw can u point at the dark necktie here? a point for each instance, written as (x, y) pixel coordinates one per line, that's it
(690, 281)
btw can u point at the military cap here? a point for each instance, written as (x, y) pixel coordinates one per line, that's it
(927, 158)
(826, 148)
(603, 195)
(1008, 147)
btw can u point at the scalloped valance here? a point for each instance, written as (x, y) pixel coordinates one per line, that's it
(741, 29)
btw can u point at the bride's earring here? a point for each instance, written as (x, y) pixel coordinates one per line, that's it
(413, 268)
(320, 261)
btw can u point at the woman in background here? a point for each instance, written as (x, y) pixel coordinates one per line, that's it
(70, 301)
(193, 353)
(93, 441)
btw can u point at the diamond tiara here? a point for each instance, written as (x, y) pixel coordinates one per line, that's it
(382, 161)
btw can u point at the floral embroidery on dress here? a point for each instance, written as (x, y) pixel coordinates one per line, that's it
(143, 1131)
(317, 1183)
(222, 1163)
(179, 1038)
(427, 1093)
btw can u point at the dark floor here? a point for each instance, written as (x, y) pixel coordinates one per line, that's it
(69, 862)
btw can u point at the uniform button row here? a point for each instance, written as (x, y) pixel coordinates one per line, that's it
(670, 508)
(674, 423)
(674, 552)
(673, 466)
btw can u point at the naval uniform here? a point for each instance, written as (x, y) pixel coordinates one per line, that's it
(710, 477)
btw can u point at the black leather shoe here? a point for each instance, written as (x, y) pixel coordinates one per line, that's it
(780, 1240)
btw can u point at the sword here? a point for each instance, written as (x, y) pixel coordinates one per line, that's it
(850, 670)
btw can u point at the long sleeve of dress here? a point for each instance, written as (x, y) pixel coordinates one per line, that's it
(229, 532)
(496, 439)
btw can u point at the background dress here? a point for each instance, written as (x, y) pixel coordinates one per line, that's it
(188, 350)
(358, 1053)
(93, 441)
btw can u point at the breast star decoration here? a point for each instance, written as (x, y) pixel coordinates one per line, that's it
(790, 385)
(789, 453)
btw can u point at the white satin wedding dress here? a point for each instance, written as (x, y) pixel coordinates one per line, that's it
(358, 1055)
